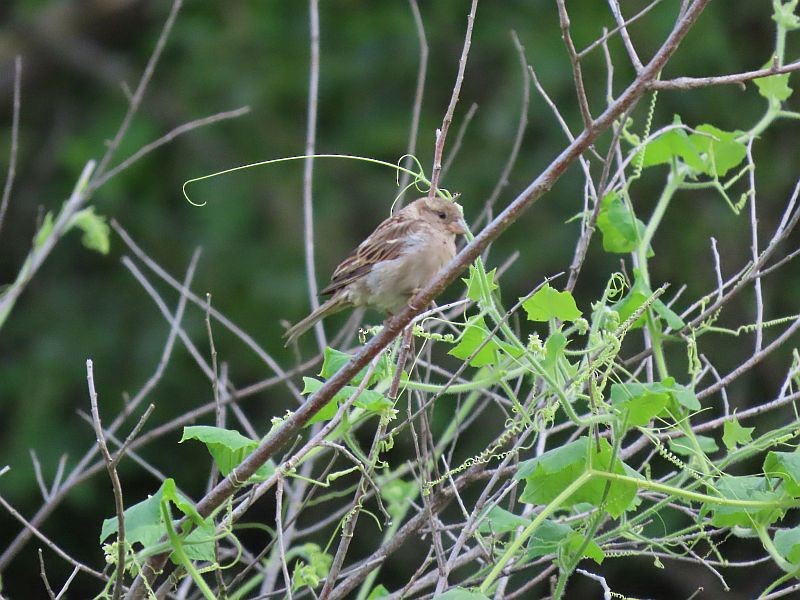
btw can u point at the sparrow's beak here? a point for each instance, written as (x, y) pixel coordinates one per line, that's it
(459, 227)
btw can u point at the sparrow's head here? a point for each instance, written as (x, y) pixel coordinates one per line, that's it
(442, 213)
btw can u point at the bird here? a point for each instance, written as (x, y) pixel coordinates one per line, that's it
(402, 255)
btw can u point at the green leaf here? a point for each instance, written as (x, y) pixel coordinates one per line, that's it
(721, 150)
(547, 537)
(369, 400)
(671, 145)
(474, 287)
(548, 303)
(499, 520)
(334, 360)
(459, 593)
(96, 232)
(684, 447)
(475, 332)
(634, 396)
(549, 474)
(785, 465)
(670, 317)
(144, 523)
(636, 297)
(311, 571)
(621, 230)
(787, 543)
(592, 550)
(748, 489)
(228, 448)
(774, 87)
(638, 403)
(734, 434)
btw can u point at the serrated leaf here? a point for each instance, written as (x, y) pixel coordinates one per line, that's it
(473, 282)
(745, 488)
(671, 145)
(721, 151)
(96, 232)
(637, 404)
(549, 474)
(548, 303)
(144, 523)
(785, 465)
(334, 360)
(774, 87)
(475, 332)
(734, 434)
(369, 400)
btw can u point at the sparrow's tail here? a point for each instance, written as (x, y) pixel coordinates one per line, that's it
(331, 306)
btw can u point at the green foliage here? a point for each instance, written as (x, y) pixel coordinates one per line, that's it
(548, 303)
(228, 448)
(96, 232)
(310, 571)
(477, 344)
(622, 231)
(550, 474)
(735, 435)
(765, 502)
(636, 297)
(787, 543)
(145, 526)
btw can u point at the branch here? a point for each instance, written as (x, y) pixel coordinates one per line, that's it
(393, 326)
(690, 83)
(441, 134)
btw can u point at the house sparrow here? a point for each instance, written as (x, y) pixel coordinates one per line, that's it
(398, 259)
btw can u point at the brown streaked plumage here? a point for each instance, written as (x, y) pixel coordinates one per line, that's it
(401, 256)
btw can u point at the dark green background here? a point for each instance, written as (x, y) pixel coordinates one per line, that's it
(225, 55)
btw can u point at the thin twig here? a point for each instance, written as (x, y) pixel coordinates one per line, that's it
(168, 137)
(138, 95)
(441, 133)
(416, 111)
(575, 62)
(308, 169)
(49, 543)
(690, 83)
(119, 505)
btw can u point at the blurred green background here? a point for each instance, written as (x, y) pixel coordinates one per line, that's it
(225, 55)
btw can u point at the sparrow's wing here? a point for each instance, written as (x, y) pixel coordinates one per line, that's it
(386, 243)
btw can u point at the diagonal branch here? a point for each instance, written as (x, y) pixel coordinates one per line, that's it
(394, 326)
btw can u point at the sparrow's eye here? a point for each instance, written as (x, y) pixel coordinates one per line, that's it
(442, 215)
